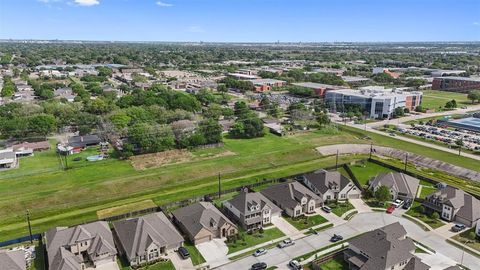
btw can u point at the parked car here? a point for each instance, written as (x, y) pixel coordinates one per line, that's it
(183, 253)
(407, 205)
(259, 266)
(336, 238)
(390, 209)
(327, 209)
(458, 227)
(399, 202)
(260, 252)
(285, 243)
(294, 264)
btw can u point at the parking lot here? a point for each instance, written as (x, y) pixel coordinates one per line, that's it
(471, 139)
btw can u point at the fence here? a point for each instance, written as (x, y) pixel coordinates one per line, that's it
(334, 254)
(132, 214)
(20, 240)
(353, 177)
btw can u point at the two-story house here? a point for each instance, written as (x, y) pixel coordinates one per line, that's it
(293, 198)
(401, 186)
(331, 185)
(147, 238)
(251, 210)
(83, 246)
(454, 205)
(386, 248)
(202, 222)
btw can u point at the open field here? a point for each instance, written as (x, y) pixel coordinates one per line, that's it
(61, 198)
(117, 210)
(433, 99)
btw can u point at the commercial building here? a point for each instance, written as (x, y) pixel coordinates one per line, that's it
(262, 85)
(456, 84)
(375, 101)
(319, 88)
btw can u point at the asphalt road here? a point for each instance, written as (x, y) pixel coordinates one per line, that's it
(362, 222)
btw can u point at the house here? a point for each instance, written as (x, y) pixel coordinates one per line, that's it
(401, 186)
(454, 205)
(251, 210)
(83, 141)
(12, 260)
(8, 159)
(293, 198)
(146, 239)
(80, 247)
(331, 185)
(202, 222)
(382, 249)
(477, 229)
(34, 146)
(65, 92)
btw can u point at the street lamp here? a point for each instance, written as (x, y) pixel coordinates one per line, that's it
(463, 250)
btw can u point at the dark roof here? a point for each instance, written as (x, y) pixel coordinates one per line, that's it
(82, 141)
(469, 206)
(416, 264)
(137, 234)
(289, 194)
(201, 215)
(12, 260)
(324, 180)
(384, 247)
(399, 182)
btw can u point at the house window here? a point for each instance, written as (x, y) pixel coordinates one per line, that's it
(328, 197)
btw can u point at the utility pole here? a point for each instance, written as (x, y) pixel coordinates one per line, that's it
(219, 187)
(336, 162)
(406, 161)
(371, 150)
(463, 250)
(29, 226)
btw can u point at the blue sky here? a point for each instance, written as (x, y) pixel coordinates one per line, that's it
(242, 20)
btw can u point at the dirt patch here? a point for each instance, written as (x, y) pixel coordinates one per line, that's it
(153, 160)
(117, 210)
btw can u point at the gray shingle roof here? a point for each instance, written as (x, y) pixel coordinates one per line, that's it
(323, 180)
(59, 258)
(469, 206)
(289, 194)
(384, 247)
(12, 260)
(200, 215)
(243, 200)
(399, 182)
(416, 264)
(137, 234)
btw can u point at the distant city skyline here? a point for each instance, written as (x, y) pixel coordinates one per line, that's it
(241, 20)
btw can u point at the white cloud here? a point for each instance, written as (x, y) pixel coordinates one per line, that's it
(163, 4)
(87, 3)
(476, 23)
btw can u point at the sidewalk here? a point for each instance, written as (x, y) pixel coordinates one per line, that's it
(283, 225)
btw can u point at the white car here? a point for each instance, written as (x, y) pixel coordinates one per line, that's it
(285, 243)
(260, 252)
(295, 265)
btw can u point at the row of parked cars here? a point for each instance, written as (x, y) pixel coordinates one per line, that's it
(471, 139)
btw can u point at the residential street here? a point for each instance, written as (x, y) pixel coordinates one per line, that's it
(362, 222)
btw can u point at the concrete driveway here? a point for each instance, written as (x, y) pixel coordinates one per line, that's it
(360, 223)
(360, 205)
(107, 266)
(215, 252)
(285, 227)
(180, 263)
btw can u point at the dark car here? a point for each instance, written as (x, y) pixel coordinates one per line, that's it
(183, 253)
(259, 266)
(336, 238)
(407, 205)
(458, 227)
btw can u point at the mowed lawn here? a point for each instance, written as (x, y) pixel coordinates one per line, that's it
(433, 99)
(63, 198)
(366, 171)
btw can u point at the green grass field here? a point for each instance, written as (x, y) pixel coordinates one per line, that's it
(337, 263)
(62, 198)
(365, 172)
(250, 240)
(305, 222)
(433, 99)
(416, 211)
(340, 208)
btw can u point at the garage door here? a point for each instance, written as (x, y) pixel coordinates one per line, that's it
(203, 239)
(354, 196)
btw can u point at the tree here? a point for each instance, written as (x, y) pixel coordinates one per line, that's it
(474, 96)
(222, 88)
(322, 119)
(419, 108)
(240, 108)
(452, 104)
(248, 127)
(435, 215)
(151, 138)
(399, 112)
(211, 130)
(382, 194)
(42, 124)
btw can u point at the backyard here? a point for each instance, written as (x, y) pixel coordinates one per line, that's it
(337, 263)
(364, 171)
(305, 222)
(245, 240)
